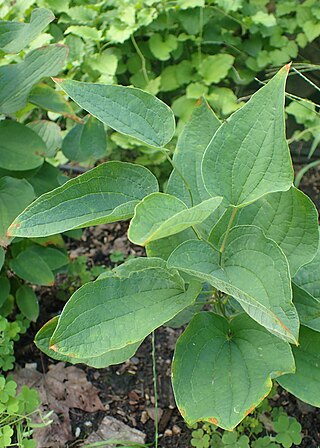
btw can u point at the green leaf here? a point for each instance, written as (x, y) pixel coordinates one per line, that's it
(308, 308)
(46, 179)
(21, 148)
(42, 341)
(126, 109)
(15, 36)
(50, 99)
(304, 383)
(249, 156)
(164, 247)
(85, 141)
(104, 194)
(16, 80)
(288, 217)
(15, 195)
(262, 18)
(31, 267)
(85, 32)
(253, 270)
(187, 158)
(27, 302)
(49, 133)
(222, 370)
(54, 258)
(160, 215)
(114, 312)
(161, 47)
(215, 67)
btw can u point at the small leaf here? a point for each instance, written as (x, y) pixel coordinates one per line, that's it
(5, 287)
(2, 257)
(125, 109)
(304, 383)
(16, 80)
(42, 341)
(15, 36)
(54, 258)
(27, 302)
(15, 195)
(215, 67)
(288, 217)
(222, 370)
(161, 47)
(29, 266)
(160, 215)
(115, 312)
(85, 141)
(21, 148)
(104, 194)
(164, 247)
(249, 156)
(253, 270)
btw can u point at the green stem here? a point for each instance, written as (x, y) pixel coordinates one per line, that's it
(142, 58)
(233, 214)
(155, 389)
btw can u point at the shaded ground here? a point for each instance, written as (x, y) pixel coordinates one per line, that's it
(127, 389)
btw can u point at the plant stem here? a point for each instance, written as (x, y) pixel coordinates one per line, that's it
(155, 389)
(233, 214)
(142, 58)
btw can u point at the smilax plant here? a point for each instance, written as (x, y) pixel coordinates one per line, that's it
(230, 225)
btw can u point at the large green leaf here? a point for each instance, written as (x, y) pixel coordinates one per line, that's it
(308, 308)
(16, 80)
(114, 312)
(85, 142)
(253, 270)
(222, 370)
(160, 215)
(104, 194)
(304, 383)
(249, 156)
(287, 217)
(42, 341)
(127, 110)
(15, 36)
(21, 148)
(185, 181)
(15, 195)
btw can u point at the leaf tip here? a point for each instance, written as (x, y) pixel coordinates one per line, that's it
(11, 229)
(53, 347)
(288, 66)
(214, 421)
(57, 80)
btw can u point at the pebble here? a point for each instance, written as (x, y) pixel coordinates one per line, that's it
(88, 423)
(168, 433)
(77, 431)
(135, 360)
(176, 429)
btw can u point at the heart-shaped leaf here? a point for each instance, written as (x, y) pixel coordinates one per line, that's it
(287, 217)
(253, 270)
(222, 370)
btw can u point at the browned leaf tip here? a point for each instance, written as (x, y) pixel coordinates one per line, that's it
(53, 347)
(14, 225)
(214, 421)
(57, 80)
